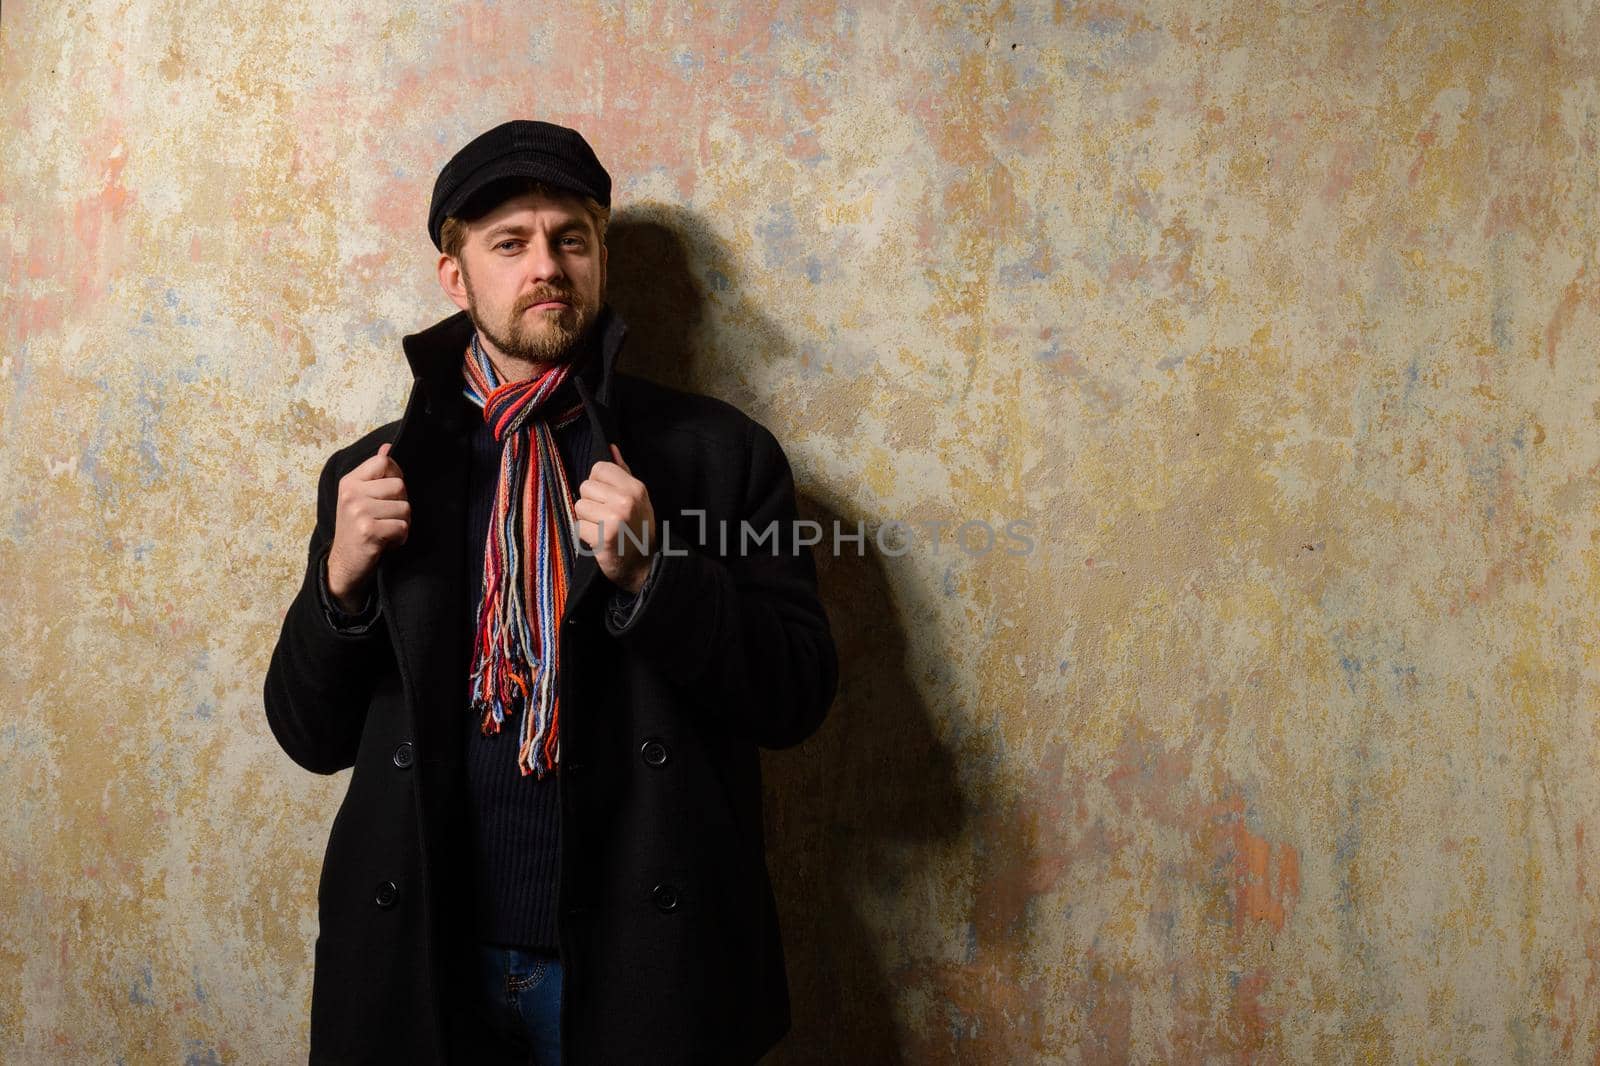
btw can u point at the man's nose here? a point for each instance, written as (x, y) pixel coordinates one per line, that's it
(543, 263)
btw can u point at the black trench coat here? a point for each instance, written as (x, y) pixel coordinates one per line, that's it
(668, 931)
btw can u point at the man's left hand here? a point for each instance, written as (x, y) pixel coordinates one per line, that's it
(610, 498)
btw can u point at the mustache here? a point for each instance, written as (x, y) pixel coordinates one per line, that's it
(548, 292)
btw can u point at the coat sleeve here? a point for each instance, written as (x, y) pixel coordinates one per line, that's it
(321, 676)
(746, 633)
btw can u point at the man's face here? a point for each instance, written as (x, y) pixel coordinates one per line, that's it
(531, 275)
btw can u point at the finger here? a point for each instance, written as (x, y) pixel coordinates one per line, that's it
(598, 491)
(389, 509)
(379, 465)
(611, 474)
(603, 526)
(617, 452)
(393, 467)
(368, 468)
(390, 529)
(384, 488)
(595, 511)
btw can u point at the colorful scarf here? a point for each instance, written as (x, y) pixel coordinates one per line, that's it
(526, 561)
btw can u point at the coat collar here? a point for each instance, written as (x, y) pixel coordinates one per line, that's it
(435, 356)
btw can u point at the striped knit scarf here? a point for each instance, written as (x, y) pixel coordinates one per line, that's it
(526, 561)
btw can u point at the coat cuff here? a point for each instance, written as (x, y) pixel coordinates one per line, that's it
(338, 620)
(625, 606)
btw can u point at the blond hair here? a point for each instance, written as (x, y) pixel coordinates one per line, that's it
(453, 231)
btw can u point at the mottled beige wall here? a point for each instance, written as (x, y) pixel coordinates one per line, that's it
(1280, 326)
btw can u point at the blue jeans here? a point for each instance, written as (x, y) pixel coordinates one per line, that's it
(520, 991)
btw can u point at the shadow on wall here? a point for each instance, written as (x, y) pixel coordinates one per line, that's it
(649, 282)
(854, 813)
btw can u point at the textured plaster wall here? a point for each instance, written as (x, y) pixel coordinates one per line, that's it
(1279, 324)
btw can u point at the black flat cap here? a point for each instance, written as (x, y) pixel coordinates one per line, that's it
(521, 148)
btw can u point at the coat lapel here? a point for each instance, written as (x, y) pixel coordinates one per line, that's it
(421, 582)
(601, 434)
(595, 388)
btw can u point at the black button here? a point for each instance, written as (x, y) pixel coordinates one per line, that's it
(665, 897)
(576, 767)
(572, 621)
(387, 894)
(402, 756)
(653, 752)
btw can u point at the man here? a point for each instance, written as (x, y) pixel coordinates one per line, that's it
(549, 616)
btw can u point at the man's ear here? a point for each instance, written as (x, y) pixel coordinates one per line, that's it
(452, 281)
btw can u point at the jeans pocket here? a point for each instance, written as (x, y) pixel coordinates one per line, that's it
(527, 972)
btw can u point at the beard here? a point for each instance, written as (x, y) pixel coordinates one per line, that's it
(554, 335)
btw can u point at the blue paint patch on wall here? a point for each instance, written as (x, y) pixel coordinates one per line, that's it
(191, 373)
(142, 996)
(1018, 264)
(21, 377)
(1165, 921)
(780, 243)
(24, 516)
(200, 1053)
(1405, 678)
(377, 332)
(688, 64)
(150, 401)
(1352, 669)
(1500, 322)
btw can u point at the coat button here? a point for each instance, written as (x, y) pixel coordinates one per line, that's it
(653, 752)
(387, 894)
(665, 898)
(402, 756)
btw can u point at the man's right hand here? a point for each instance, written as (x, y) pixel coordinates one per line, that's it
(372, 514)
